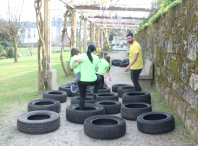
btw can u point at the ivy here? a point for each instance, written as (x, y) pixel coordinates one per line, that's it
(164, 8)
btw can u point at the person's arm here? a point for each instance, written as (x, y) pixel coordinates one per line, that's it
(75, 65)
(132, 62)
(78, 60)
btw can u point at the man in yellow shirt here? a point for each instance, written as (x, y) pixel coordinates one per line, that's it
(98, 50)
(136, 62)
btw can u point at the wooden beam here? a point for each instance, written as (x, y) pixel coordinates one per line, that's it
(101, 17)
(68, 4)
(115, 8)
(120, 28)
(125, 24)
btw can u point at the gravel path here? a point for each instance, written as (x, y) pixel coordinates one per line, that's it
(73, 134)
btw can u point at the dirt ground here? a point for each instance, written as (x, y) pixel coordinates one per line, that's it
(73, 134)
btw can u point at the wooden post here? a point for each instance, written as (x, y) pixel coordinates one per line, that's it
(80, 45)
(101, 38)
(92, 33)
(85, 36)
(98, 36)
(47, 29)
(73, 35)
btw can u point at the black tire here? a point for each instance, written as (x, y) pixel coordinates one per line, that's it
(88, 93)
(116, 86)
(76, 99)
(126, 60)
(70, 83)
(74, 115)
(44, 104)
(105, 127)
(110, 106)
(136, 96)
(124, 64)
(124, 89)
(155, 122)
(115, 60)
(38, 122)
(55, 94)
(67, 89)
(116, 63)
(131, 111)
(103, 90)
(107, 96)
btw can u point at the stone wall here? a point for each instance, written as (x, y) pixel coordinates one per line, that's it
(171, 43)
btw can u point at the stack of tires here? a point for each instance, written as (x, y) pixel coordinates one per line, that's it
(117, 62)
(42, 116)
(136, 105)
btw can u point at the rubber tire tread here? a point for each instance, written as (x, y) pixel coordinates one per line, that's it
(116, 63)
(75, 100)
(123, 64)
(124, 89)
(38, 127)
(145, 97)
(103, 90)
(108, 96)
(60, 97)
(105, 132)
(67, 89)
(52, 107)
(116, 86)
(79, 116)
(133, 113)
(156, 126)
(110, 109)
(77, 93)
(115, 60)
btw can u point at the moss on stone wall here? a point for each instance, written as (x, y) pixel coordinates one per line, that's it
(172, 44)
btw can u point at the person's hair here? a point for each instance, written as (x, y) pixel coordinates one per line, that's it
(129, 34)
(107, 58)
(105, 54)
(74, 51)
(91, 48)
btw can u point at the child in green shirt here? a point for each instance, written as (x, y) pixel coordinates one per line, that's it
(104, 65)
(107, 72)
(75, 64)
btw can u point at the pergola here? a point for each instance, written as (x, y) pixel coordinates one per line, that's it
(102, 16)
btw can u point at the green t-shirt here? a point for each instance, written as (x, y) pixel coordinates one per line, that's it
(103, 66)
(87, 71)
(72, 61)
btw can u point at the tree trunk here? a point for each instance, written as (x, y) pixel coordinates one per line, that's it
(15, 50)
(80, 44)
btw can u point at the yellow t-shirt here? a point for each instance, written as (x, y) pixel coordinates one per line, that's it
(136, 48)
(97, 53)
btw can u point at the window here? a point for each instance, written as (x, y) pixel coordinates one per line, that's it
(29, 35)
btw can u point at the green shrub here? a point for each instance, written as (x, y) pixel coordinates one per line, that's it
(11, 53)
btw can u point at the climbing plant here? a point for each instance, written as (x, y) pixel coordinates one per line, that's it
(164, 7)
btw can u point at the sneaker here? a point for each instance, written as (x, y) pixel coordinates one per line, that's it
(109, 79)
(73, 88)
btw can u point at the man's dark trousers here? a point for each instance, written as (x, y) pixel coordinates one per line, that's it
(135, 77)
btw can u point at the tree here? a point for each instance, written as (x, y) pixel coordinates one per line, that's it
(12, 26)
(30, 46)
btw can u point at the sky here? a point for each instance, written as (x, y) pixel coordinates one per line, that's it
(57, 8)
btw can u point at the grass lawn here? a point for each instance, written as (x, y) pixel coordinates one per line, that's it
(18, 81)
